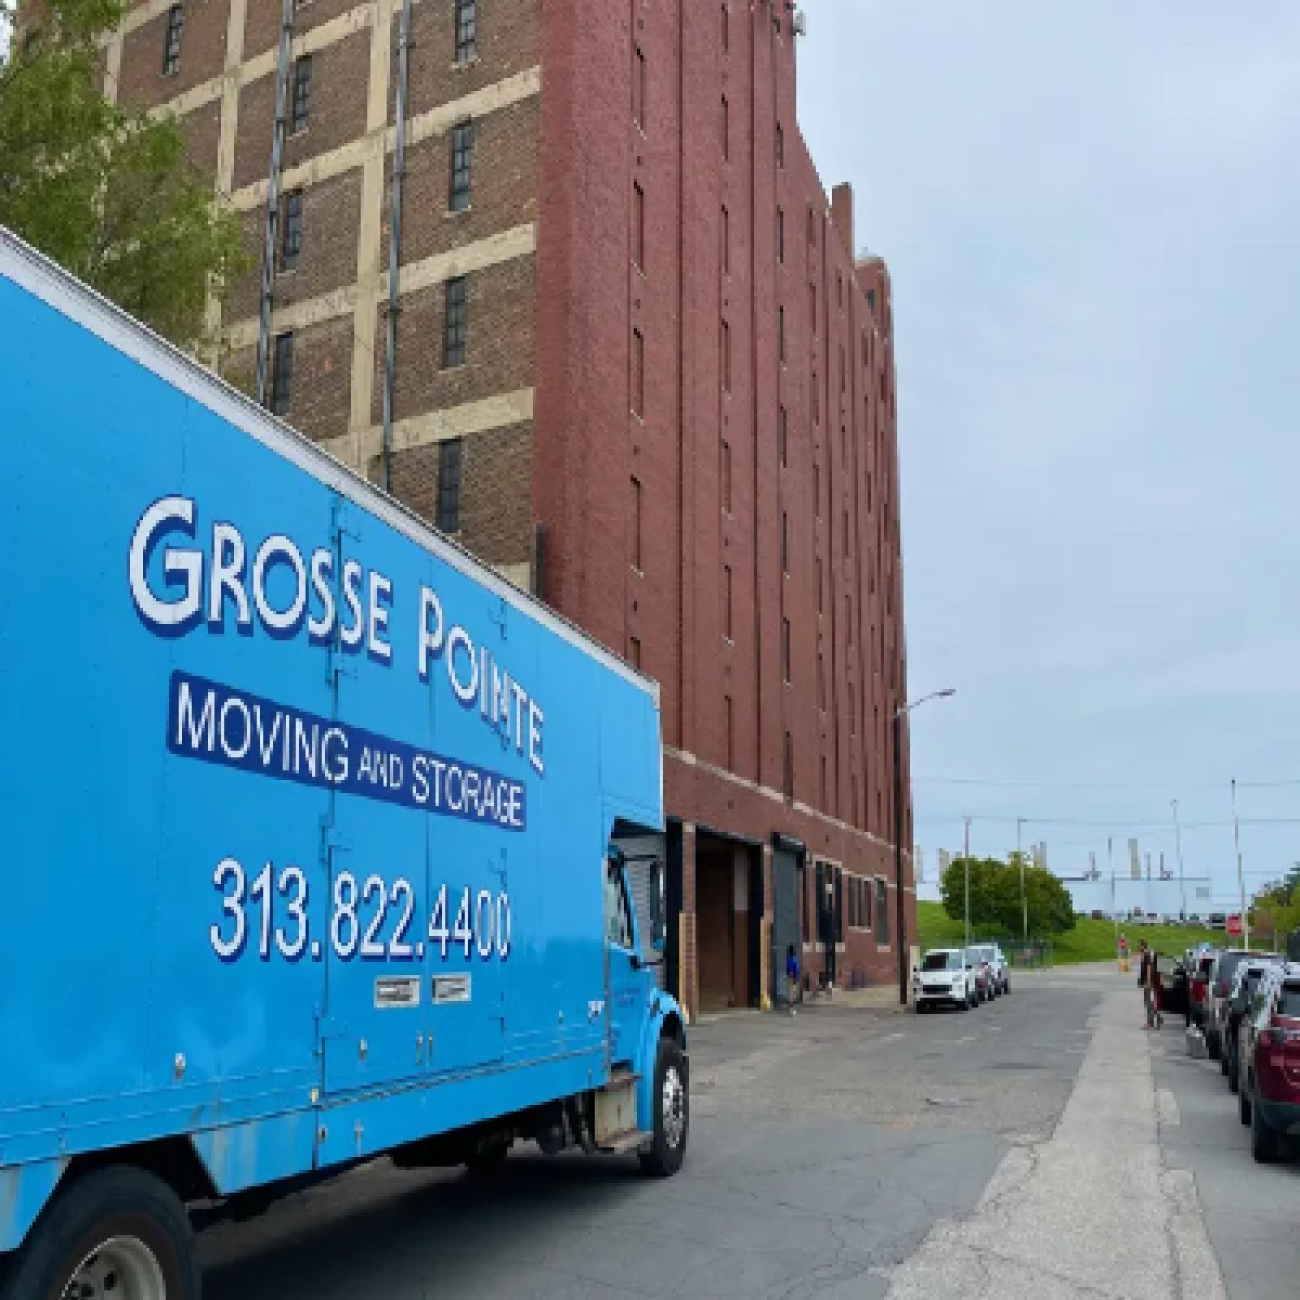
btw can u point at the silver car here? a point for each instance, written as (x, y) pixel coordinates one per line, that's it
(1000, 975)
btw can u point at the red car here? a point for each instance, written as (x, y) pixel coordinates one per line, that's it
(1269, 1043)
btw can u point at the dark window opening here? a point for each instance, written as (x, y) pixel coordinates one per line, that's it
(638, 373)
(726, 129)
(785, 542)
(282, 374)
(639, 89)
(783, 437)
(780, 333)
(726, 242)
(726, 27)
(726, 476)
(466, 30)
(291, 230)
(455, 330)
(728, 720)
(172, 44)
(788, 774)
(636, 524)
(882, 912)
(780, 236)
(638, 227)
(724, 346)
(449, 465)
(301, 94)
(785, 650)
(462, 158)
(726, 601)
(780, 146)
(634, 651)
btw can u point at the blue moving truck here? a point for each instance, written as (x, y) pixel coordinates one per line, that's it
(311, 826)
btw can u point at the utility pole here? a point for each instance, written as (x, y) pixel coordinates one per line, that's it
(1110, 866)
(1178, 847)
(966, 855)
(1024, 899)
(1241, 875)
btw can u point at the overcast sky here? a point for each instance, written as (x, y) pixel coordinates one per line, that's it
(1091, 213)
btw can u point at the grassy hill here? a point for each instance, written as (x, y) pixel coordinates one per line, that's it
(1088, 941)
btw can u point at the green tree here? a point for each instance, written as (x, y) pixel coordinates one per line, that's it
(103, 189)
(995, 898)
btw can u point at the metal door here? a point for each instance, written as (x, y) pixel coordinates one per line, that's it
(785, 918)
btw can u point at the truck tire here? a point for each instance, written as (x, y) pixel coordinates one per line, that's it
(672, 1112)
(1243, 1101)
(114, 1232)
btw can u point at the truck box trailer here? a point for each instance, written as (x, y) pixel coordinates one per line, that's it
(309, 826)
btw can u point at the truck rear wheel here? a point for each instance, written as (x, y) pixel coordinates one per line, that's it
(115, 1234)
(672, 1112)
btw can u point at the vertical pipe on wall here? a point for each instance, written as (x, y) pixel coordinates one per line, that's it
(273, 199)
(395, 245)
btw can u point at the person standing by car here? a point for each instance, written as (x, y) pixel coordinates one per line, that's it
(1147, 978)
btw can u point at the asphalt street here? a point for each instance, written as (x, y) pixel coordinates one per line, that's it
(1012, 1150)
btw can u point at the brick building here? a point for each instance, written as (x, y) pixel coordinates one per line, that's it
(634, 364)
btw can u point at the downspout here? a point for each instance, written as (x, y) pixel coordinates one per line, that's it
(273, 200)
(395, 246)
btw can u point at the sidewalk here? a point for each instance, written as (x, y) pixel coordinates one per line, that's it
(1090, 1211)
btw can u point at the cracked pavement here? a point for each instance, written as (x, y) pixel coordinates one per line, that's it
(838, 1153)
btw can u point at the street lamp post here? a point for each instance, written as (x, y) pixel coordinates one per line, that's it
(900, 712)
(1178, 848)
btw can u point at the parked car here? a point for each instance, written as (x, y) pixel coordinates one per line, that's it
(946, 978)
(1245, 985)
(1269, 1093)
(983, 975)
(1199, 986)
(1217, 993)
(998, 969)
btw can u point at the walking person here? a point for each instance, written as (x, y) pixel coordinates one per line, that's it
(1147, 978)
(791, 977)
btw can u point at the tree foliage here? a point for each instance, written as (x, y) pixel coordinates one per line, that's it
(995, 899)
(104, 189)
(1275, 909)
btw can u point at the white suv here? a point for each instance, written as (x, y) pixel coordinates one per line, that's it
(946, 978)
(991, 953)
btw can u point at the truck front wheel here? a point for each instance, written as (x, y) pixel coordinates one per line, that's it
(115, 1234)
(672, 1112)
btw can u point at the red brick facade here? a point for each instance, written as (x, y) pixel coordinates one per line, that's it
(679, 374)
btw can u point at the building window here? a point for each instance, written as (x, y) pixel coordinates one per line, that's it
(638, 227)
(782, 437)
(291, 230)
(636, 524)
(726, 602)
(780, 236)
(729, 725)
(812, 225)
(455, 329)
(817, 490)
(725, 252)
(788, 774)
(821, 681)
(634, 651)
(638, 374)
(466, 30)
(780, 146)
(843, 380)
(839, 289)
(812, 304)
(780, 333)
(871, 299)
(822, 788)
(785, 542)
(882, 913)
(726, 130)
(846, 534)
(172, 44)
(818, 567)
(449, 461)
(726, 27)
(785, 650)
(282, 374)
(301, 94)
(853, 721)
(816, 399)
(724, 348)
(726, 476)
(639, 89)
(462, 155)
(848, 620)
